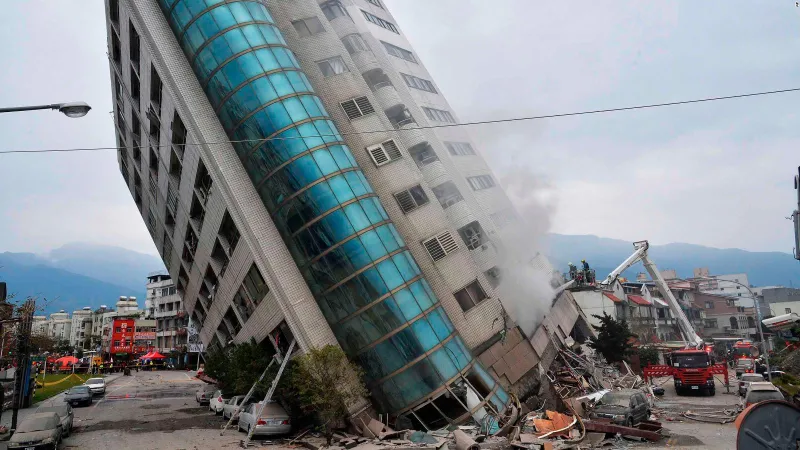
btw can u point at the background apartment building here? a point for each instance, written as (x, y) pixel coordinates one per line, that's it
(165, 306)
(338, 215)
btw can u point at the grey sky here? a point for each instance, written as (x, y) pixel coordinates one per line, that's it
(714, 174)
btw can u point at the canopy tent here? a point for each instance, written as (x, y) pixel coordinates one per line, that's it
(67, 360)
(156, 355)
(148, 355)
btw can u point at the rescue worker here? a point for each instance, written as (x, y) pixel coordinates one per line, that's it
(573, 271)
(585, 264)
(587, 273)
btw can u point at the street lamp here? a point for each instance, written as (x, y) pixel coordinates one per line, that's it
(71, 109)
(758, 315)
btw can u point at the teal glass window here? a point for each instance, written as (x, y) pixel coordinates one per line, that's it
(407, 304)
(341, 189)
(236, 40)
(373, 244)
(207, 25)
(356, 253)
(390, 274)
(424, 300)
(372, 212)
(443, 363)
(387, 238)
(356, 216)
(406, 270)
(407, 346)
(441, 326)
(223, 17)
(258, 12)
(424, 333)
(240, 12)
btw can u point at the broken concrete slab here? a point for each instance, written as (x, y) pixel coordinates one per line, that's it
(464, 441)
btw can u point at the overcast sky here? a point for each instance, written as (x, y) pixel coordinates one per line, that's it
(716, 174)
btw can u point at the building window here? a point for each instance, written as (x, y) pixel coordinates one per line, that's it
(709, 305)
(399, 52)
(380, 22)
(309, 26)
(418, 83)
(354, 43)
(459, 148)
(116, 49)
(256, 286)
(411, 198)
(423, 154)
(470, 295)
(384, 152)
(357, 107)
(473, 235)
(376, 3)
(440, 246)
(439, 115)
(447, 194)
(333, 9)
(399, 116)
(494, 276)
(734, 323)
(788, 310)
(481, 182)
(113, 10)
(134, 46)
(332, 66)
(155, 88)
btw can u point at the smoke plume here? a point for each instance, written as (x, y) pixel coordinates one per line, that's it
(526, 291)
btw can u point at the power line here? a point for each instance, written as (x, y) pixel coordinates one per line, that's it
(465, 124)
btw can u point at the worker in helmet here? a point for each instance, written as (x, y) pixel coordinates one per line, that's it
(585, 264)
(573, 271)
(587, 273)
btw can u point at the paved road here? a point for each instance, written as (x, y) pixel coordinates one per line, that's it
(150, 410)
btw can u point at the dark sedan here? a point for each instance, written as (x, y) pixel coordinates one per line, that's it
(79, 395)
(40, 430)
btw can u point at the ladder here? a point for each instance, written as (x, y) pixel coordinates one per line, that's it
(246, 441)
(249, 394)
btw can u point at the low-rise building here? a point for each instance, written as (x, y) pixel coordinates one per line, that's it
(60, 326)
(170, 316)
(81, 328)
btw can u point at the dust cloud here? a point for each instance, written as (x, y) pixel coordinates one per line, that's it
(526, 291)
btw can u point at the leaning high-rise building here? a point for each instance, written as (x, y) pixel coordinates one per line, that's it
(285, 159)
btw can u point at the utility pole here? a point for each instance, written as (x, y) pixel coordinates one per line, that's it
(25, 317)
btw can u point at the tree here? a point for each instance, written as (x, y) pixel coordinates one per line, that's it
(326, 383)
(612, 339)
(41, 343)
(648, 356)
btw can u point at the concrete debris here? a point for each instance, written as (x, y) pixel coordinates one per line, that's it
(464, 441)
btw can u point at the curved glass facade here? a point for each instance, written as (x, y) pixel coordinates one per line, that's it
(367, 284)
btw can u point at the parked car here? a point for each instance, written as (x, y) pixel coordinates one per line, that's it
(203, 395)
(744, 365)
(230, 406)
(760, 391)
(65, 414)
(96, 385)
(216, 402)
(745, 381)
(775, 374)
(39, 430)
(624, 407)
(79, 395)
(273, 419)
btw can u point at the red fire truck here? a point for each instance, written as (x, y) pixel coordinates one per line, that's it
(744, 349)
(692, 368)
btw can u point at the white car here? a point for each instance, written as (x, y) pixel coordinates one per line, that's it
(273, 420)
(230, 406)
(96, 385)
(216, 402)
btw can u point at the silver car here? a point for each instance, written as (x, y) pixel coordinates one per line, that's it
(203, 395)
(96, 385)
(230, 406)
(745, 381)
(65, 413)
(216, 402)
(273, 420)
(40, 430)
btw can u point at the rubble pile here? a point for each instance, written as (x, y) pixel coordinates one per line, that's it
(791, 363)
(579, 382)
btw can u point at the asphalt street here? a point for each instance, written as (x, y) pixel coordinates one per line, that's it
(147, 410)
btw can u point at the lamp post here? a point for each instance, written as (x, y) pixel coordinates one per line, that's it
(71, 109)
(758, 315)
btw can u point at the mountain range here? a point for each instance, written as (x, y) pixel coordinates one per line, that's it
(80, 274)
(77, 275)
(604, 255)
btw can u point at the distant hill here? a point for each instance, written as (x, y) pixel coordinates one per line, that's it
(603, 254)
(78, 275)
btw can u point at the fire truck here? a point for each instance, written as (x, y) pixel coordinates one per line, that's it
(744, 349)
(691, 368)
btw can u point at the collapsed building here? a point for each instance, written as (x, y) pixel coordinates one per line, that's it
(289, 161)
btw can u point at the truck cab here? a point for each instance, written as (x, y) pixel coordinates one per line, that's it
(692, 371)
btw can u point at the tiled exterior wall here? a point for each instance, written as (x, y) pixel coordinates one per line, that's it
(289, 298)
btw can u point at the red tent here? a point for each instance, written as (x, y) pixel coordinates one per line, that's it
(156, 355)
(67, 360)
(148, 355)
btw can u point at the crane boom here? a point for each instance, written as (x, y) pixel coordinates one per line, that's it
(690, 336)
